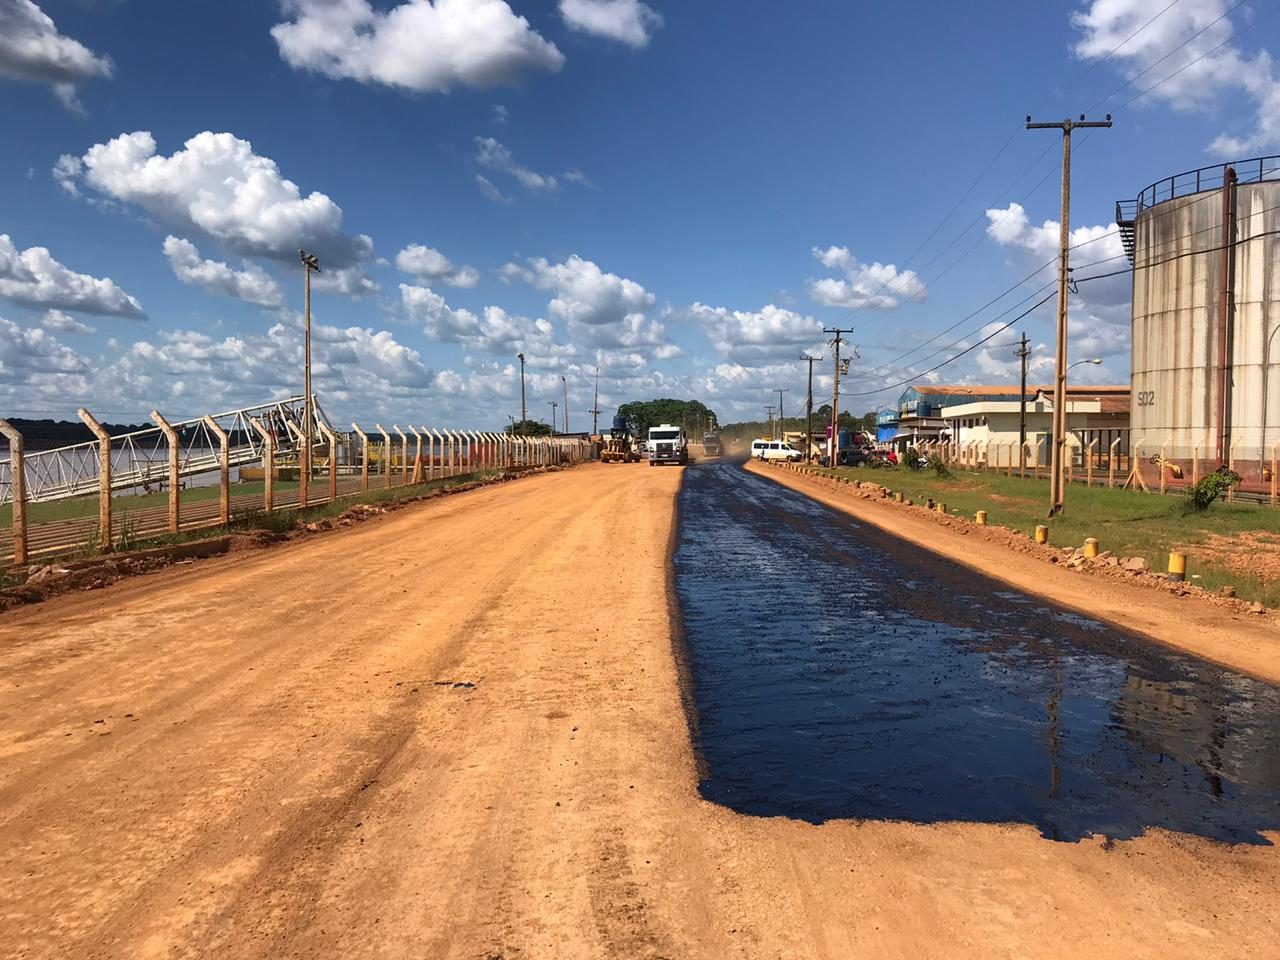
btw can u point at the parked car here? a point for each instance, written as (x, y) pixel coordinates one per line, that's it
(775, 450)
(882, 458)
(848, 457)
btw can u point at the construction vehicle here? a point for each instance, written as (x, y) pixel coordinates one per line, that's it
(667, 444)
(711, 445)
(619, 446)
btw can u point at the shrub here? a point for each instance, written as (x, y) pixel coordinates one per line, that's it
(941, 469)
(1200, 495)
(911, 458)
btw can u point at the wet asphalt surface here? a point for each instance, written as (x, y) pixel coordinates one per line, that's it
(838, 672)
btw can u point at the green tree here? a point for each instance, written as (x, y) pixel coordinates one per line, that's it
(528, 428)
(690, 414)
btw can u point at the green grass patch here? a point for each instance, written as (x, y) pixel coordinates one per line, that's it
(84, 507)
(1127, 523)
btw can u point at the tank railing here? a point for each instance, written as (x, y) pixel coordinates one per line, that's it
(1190, 182)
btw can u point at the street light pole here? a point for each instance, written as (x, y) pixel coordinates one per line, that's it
(565, 384)
(524, 411)
(309, 263)
(553, 404)
(782, 421)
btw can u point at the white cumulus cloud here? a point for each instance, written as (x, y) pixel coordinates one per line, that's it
(626, 21)
(31, 48)
(417, 45)
(492, 154)
(876, 286)
(1182, 66)
(217, 185)
(252, 284)
(60, 322)
(431, 266)
(33, 278)
(756, 338)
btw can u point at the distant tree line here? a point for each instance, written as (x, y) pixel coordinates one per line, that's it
(695, 417)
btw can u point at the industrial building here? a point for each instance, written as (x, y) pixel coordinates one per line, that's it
(1205, 248)
(965, 414)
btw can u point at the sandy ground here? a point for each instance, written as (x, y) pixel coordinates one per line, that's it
(1245, 642)
(270, 755)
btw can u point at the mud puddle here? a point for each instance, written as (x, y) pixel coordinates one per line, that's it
(841, 673)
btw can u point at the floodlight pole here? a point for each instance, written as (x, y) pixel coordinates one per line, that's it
(309, 263)
(1057, 489)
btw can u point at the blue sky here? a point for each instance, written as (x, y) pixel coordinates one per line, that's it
(681, 195)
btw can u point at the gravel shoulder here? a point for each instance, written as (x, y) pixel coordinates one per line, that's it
(457, 731)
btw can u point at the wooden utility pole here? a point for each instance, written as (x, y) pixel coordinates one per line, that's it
(782, 422)
(1023, 352)
(808, 419)
(1056, 487)
(833, 445)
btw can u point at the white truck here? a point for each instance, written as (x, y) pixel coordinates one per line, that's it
(667, 444)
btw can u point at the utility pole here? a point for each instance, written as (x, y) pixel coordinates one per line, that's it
(768, 412)
(553, 404)
(782, 420)
(565, 384)
(595, 408)
(1057, 490)
(524, 411)
(833, 445)
(808, 417)
(309, 263)
(1023, 352)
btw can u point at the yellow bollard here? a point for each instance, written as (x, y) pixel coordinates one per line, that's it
(942, 507)
(899, 497)
(981, 518)
(1091, 547)
(1042, 534)
(1177, 566)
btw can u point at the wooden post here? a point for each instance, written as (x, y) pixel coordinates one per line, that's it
(171, 438)
(1231, 465)
(224, 470)
(404, 453)
(18, 489)
(332, 437)
(268, 464)
(364, 457)
(386, 455)
(104, 477)
(1274, 479)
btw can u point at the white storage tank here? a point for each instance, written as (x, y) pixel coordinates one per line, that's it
(1176, 232)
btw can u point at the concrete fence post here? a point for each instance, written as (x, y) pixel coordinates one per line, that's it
(417, 454)
(1163, 472)
(268, 464)
(332, 439)
(1090, 453)
(1195, 465)
(386, 455)
(18, 490)
(175, 484)
(224, 470)
(453, 452)
(104, 477)
(1274, 479)
(364, 456)
(437, 444)
(404, 453)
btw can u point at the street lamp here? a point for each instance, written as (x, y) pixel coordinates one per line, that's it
(553, 404)
(309, 263)
(1094, 360)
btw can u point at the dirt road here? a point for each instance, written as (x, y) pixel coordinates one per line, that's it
(458, 732)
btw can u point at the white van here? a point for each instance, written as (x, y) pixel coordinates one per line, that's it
(775, 450)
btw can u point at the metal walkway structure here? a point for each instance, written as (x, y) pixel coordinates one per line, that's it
(140, 459)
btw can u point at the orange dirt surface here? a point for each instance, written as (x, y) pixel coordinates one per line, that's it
(458, 731)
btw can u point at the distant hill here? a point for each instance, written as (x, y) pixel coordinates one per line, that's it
(55, 433)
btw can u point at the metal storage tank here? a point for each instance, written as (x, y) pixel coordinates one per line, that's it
(1198, 341)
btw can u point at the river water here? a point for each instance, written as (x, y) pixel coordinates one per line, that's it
(838, 672)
